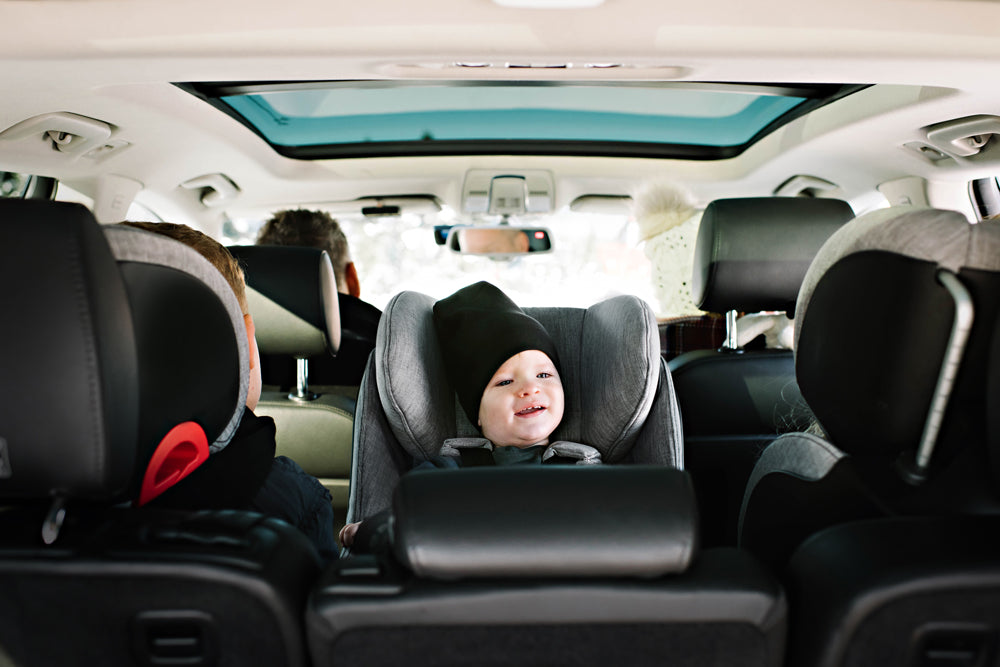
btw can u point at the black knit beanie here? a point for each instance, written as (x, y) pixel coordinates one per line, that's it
(478, 329)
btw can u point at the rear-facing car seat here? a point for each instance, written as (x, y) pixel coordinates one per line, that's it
(750, 256)
(292, 293)
(619, 396)
(85, 575)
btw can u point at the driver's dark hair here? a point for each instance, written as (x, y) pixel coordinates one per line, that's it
(314, 229)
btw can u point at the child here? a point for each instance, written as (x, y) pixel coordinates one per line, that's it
(246, 474)
(504, 367)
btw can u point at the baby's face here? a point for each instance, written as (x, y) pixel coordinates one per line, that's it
(523, 402)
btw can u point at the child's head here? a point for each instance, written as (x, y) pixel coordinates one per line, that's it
(503, 365)
(223, 260)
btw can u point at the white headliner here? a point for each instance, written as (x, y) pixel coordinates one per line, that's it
(113, 61)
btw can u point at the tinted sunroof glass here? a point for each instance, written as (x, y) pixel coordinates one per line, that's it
(580, 113)
(658, 119)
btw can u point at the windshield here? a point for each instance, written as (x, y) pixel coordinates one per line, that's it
(594, 256)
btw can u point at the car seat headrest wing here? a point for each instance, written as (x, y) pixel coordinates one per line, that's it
(593, 521)
(752, 253)
(611, 364)
(293, 298)
(417, 400)
(69, 390)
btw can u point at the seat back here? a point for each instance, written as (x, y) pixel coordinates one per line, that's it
(896, 318)
(750, 256)
(897, 591)
(904, 569)
(583, 565)
(84, 572)
(293, 298)
(619, 397)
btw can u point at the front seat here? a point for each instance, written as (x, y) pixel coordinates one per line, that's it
(750, 256)
(292, 293)
(85, 574)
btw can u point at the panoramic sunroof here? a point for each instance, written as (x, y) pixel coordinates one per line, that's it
(314, 120)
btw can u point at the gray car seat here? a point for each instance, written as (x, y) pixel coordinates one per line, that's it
(85, 575)
(292, 293)
(896, 317)
(750, 256)
(619, 395)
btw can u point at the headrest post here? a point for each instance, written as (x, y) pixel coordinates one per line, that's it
(961, 327)
(54, 520)
(302, 392)
(731, 341)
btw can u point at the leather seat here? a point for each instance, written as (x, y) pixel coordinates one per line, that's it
(293, 298)
(750, 256)
(86, 575)
(582, 565)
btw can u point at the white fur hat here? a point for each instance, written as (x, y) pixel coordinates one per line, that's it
(661, 205)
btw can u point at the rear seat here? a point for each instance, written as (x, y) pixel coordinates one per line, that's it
(547, 565)
(293, 297)
(751, 256)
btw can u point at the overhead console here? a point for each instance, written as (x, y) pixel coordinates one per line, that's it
(504, 193)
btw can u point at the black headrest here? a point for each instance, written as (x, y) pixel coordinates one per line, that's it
(874, 321)
(293, 298)
(752, 253)
(69, 389)
(545, 521)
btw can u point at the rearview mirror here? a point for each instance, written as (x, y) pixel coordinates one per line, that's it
(498, 240)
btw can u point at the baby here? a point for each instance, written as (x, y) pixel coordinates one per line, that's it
(504, 368)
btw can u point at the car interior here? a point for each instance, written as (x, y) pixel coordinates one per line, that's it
(763, 237)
